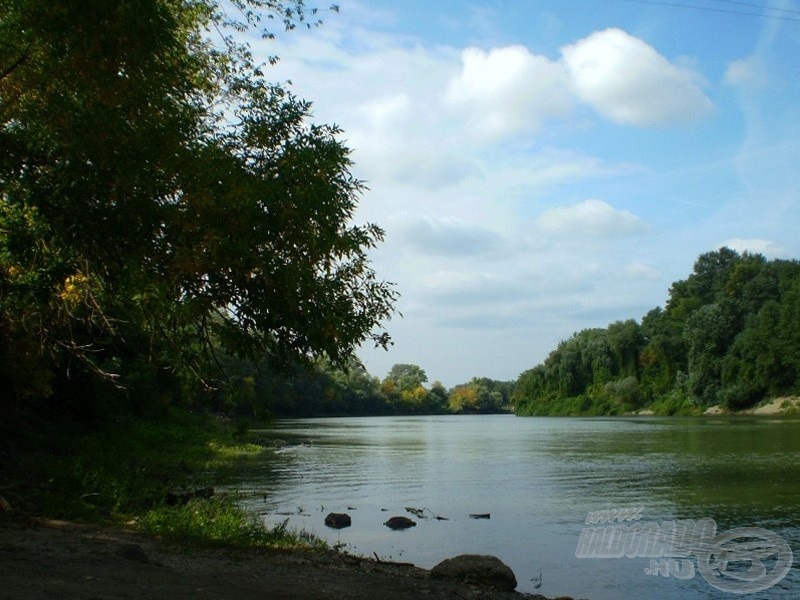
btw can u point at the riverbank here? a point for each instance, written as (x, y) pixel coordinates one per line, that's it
(56, 559)
(785, 406)
(779, 407)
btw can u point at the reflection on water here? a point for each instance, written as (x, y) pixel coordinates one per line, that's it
(538, 478)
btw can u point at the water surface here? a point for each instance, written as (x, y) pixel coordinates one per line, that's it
(537, 478)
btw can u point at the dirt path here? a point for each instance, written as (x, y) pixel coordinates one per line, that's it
(50, 559)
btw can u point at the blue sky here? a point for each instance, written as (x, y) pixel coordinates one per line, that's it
(545, 166)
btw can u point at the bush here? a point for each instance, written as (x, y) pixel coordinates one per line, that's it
(675, 404)
(740, 395)
(624, 393)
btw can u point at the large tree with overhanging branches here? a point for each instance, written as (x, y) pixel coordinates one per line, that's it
(162, 201)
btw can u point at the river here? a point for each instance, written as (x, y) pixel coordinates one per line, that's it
(538, 479)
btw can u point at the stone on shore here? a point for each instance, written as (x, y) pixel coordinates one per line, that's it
(488, 571)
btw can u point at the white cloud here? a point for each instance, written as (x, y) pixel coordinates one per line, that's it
(553, 166)
(745, 72)
(463, 148)
(472, 289)
(638, 271)
(629, 82)
(384, 111)
(506, 91)
(450, 237)
(590, 217)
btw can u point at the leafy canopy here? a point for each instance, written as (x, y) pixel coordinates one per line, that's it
(728, 335)
(160, 198)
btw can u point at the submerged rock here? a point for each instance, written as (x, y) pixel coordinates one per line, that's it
(476, 569)
(400, 523)
(338, 520)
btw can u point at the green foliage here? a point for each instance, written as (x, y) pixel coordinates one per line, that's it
(405, 392)
(480, 395)
(729, 334)
(325, 389)
(321, 389)
(161, 202)
(406, 378)
(624, 393)
(675, 404)
(125, 473)
(221, 523)
(65, 470)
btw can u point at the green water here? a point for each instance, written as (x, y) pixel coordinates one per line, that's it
(538, 478)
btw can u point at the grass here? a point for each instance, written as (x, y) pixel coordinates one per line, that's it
(124, 474)
(221, 523)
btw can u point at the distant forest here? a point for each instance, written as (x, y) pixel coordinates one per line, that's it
(325, 390)
(729, 335)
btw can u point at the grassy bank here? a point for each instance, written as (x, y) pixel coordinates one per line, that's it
(154, 475)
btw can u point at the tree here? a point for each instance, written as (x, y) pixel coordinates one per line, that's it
(357, 391)
(664, 353)
(754, 366)
(480, 395)
(531, 392)
(626, 341)
(438, 398)
(160, 200)
(464, 398)
(729, 333)
(405, 377)
(404, 389)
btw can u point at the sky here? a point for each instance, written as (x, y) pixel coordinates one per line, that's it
(545, 166)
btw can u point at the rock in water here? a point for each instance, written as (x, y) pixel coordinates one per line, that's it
(338, 520)
(400, 523)
(475, 569)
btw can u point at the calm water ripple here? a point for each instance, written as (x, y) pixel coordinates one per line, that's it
(538, 478)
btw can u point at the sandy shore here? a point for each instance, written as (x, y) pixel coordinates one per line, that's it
(774, 408)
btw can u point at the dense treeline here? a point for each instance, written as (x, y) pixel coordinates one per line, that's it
(324, 389)
(729, 335)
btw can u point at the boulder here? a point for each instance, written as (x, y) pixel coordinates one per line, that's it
(488, 571)
(338, 520)
(400, 523)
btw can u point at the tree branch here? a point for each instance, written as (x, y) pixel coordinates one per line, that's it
(15, 65)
